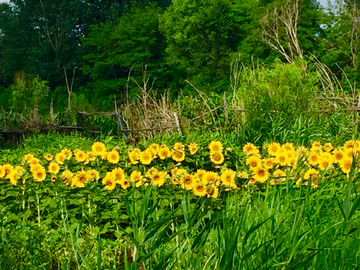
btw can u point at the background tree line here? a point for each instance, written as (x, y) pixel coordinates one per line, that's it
(84, 52)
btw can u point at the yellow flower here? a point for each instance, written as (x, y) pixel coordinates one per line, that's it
(228, 178)
(175, 180)
(212, 191)
(67, 153)
(87, 160)
(20, 170)
(48, 157)
(60, 157)
(346, 165)
(200, 174)
(118, 174)
(134, 156)
(2, 171)
(67, 176)
(154, 147)
(210, 177)
(261, 174)
(39, 175)
(53, 178)
(136, 177)
(301, 151)
(104, 156)
(243, 174)
(250, 149)
(98, 148)
(328, 147)
(28, 157)
(316, 146)
(178, 155)
(279, 173)
(113, 156)
(314, 158)
(54, 168)
(34, 161)
(325, 161)
(181, 171)
(282, 158)
(274, 182)
(150, 172)
(350, 152)
(215, 146)
(109, 181)
(288, 147)
(253, 162)
(125, 184)
(91, 156)
(187, 181)
(179, 146)
(310, 174)
(274, 148)
(174, 170)
(252, 181)
(217, 158)
(7, 169)
(349, 144)
(80, 155)
(146, 157)
(36, 167)
(199, 189)
(94, 175)
(291, 157)
(80, 179)
(193, 148)
(268, 163)
(13, 177)
(158, 178)
(164, 152)
(338, 155)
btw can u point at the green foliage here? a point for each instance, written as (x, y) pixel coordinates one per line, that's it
(26, 97)
(284, 89)
(79, 102)
(5, 98)
(130, 47)
(199, 45)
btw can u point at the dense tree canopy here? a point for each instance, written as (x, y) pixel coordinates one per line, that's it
(104, 48)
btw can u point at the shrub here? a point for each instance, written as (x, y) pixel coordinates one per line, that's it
(26, 95)
(286, 89)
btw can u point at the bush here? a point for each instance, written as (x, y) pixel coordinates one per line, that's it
(27, 95)
(286, 89)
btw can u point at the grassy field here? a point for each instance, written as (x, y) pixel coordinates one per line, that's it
(107, 205)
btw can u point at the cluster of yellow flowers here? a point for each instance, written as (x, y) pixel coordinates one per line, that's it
(300, 163)
(280, 162)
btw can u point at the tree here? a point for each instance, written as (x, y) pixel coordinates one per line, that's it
(280, 30)
(42, 37)
(291, 27)
(122, 49)
(201, 37)
(341, 41)
(351, 12)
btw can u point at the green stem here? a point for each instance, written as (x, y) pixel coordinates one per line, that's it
(38, 209)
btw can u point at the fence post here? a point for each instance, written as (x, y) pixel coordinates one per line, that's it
(120, 124)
